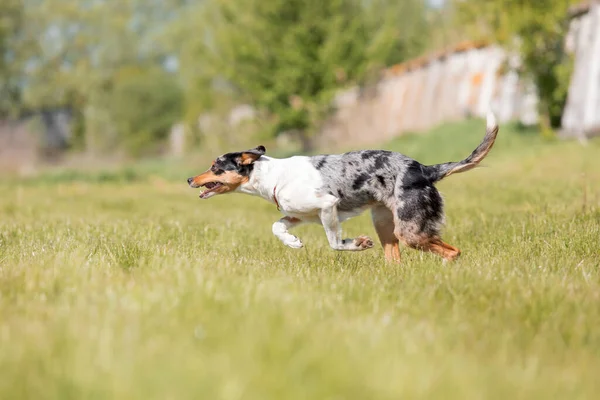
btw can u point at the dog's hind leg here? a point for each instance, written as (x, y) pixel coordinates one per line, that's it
(281, 230)
(418, 219)
(448, 252)
(433, 245)
(331, 224)
(383, 220)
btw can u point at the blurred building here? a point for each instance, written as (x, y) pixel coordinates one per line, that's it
(460, 82)
(581, 117)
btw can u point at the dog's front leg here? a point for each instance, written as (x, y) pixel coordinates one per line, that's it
(280, 229)
(333, 230)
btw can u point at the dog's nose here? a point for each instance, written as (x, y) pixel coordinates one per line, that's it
(190, 180)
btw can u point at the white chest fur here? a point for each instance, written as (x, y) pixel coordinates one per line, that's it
(294, 181)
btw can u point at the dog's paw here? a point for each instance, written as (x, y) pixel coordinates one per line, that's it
(363, 242)
(294, 243)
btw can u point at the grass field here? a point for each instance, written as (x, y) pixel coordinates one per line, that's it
(124, 285)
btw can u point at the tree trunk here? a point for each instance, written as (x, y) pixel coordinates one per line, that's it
(306, 141)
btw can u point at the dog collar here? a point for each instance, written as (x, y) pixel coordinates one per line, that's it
(275, 198)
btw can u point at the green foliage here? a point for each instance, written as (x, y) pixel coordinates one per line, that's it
(287, 57)
(81, 45)
(74, 53)
(11, 25)
(143, 105)
(537, 30)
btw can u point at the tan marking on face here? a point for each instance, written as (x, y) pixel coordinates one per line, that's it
(230, 181)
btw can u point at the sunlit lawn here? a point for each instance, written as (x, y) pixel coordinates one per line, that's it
(124, 285)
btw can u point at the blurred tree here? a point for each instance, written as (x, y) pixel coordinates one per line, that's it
(76, 51)
(11, 24)
(537, 30)
(288, 57)
(144, 103)
(80, 45)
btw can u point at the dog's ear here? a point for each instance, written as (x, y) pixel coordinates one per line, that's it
(249, 156)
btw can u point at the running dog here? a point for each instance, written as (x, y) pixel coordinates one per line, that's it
(328, 189)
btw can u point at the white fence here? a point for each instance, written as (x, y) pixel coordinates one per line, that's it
(581, 117)
(415, 96)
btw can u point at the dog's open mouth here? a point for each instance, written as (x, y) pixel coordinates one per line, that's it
(210, 188)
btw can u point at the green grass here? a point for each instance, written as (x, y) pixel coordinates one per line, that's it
(124, 285)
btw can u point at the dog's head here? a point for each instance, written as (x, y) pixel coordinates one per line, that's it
(227, 172)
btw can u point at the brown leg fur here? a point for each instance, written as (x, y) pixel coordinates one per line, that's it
(445, 250)
(434, 245)
(383, 220)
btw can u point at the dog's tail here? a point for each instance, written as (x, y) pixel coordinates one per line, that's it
(440, 171)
